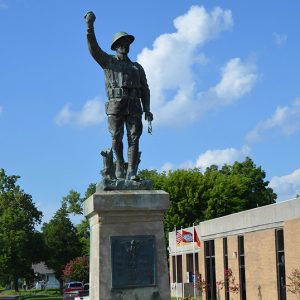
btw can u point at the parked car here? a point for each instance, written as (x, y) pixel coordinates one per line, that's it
(72, 289)
(84, 295)
(73, 286)
(70, 296)
(86, 287)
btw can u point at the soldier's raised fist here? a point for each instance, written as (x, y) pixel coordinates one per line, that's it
(90, 18)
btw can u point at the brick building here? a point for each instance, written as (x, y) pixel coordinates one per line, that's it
(261, 246)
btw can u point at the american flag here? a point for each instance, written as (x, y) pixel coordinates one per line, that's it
(179, 237)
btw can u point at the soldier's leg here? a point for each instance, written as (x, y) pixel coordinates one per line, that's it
(134, 129)
(116, 129)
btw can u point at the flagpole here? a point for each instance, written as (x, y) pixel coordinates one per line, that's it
(194, 269)
(182, 272)
(176, 262)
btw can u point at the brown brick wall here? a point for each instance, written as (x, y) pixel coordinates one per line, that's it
(233, 262)
(291, 250)
(202, 265)
(260, 265)
(219, 266)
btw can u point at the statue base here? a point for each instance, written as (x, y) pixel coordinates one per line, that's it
(128, 251)
(107, 184)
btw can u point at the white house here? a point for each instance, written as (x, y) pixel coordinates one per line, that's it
(46, 277)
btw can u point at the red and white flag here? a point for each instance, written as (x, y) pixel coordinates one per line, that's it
(179, 237)
(196, 238)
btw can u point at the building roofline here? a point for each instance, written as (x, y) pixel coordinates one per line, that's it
(259, 218)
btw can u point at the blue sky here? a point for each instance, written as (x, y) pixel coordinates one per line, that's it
(223, 77)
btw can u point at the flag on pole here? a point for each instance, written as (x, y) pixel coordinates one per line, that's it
(196, 238)
(176, 278)
(186, 237)
(179, 237)
(194, 266)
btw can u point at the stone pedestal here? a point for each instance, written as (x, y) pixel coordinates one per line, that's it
(128, 252)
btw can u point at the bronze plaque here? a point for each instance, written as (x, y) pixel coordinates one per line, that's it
(133, 261)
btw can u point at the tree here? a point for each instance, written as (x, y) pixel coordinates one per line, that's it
(83, 234)
(74, 203)
(77, 269)
(18, 237)
(294, 283)
(61, 241)
(236, 188)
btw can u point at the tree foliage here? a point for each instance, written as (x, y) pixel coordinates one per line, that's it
(61, 240)
(74, 202)
(196, 196)
(18, 237)
(83, 234)
(74, 205)
(293, 285)
(77, 269)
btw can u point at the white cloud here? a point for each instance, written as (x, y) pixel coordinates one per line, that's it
(221, 157)
(170, 68)
(92, 113)
(287, 186)
(279, 38)
(285, 120)
(211, 157)
(237, 79)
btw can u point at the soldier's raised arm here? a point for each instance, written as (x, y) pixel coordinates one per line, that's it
(98, 54)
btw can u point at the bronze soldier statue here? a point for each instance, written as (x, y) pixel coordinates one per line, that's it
(128, 96)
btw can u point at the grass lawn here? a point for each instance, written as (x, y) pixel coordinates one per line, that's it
(41, 297)
(52, 294)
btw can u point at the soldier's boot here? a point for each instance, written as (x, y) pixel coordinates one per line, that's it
(133, 157)
(120, 164)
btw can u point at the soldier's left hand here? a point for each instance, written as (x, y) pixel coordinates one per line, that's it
(148, 116)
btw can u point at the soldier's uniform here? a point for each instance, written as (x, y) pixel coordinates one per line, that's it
(128, 97)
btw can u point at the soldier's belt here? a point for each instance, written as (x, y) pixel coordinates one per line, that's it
(124, 93)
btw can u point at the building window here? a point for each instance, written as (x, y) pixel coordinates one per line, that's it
(280, 264)
(242, 274)
(190, 261)
(225, 259)
(177, 267)
(173, 268)
(210, 269)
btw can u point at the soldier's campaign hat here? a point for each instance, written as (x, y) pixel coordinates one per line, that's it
(121, 35)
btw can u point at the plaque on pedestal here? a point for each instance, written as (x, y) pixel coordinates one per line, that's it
(133, 261)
